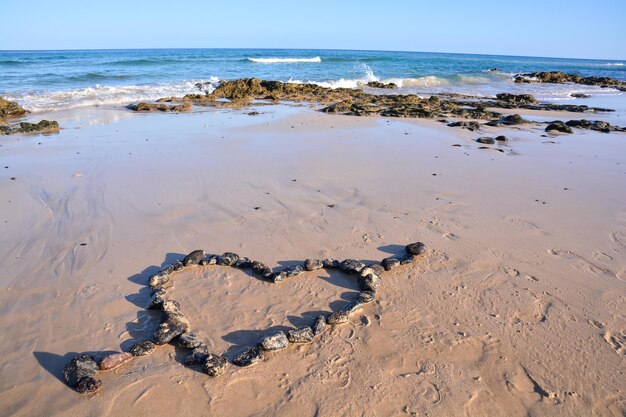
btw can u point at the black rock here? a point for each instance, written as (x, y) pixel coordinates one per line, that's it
(302, 335)
(249, 357)
(319, 326)
(353, 307)
(211, 259)
(174, 325)
(83, 366)
(258, 267)
(159, 280)
(337, 317)
(243, 263)
(501, 138)
(466, 125)
(580, 95)
(142, 348)
(313, 264)
(88, 384)
(390, 263)
(228, 259)
(215, 365)
(156, 301)
(366, 297)
(177, 266)
(371, 283)
(330, 263)
(559, 126)
(194, 258)
(277, 341)
(486, 140)
(198, 356)
(415, 249)
(189, 341)
(294, 270)
(351, 266)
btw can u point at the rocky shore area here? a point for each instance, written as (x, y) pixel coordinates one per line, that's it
(557, 77)
(12, 110)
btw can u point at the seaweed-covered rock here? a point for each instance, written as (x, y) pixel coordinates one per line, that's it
(559, 126)
(250, 356)
(114, 361)
(337, 317)
(215, 365)
(228, 259)
(415, 249)
(82, 368)
(351, 266)
(142, 348)
(276, 341)
(313, 264)
(194, 258)
(302, 335)
(319, 325)
(390, 263)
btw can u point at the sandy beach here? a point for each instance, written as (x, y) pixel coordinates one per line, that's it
(517, 308)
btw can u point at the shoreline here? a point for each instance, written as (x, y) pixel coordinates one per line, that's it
(522, 285)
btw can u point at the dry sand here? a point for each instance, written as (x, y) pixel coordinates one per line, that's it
(518, 307)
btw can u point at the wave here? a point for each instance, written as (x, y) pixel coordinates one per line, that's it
(615, 64)
(284, 60)
(94, 76)
(11, 62)
(107, 95)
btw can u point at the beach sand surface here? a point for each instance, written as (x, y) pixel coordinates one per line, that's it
(517, 308)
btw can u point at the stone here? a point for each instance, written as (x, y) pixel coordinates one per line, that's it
(294, 270)
(215, 365)
(249, 357)
(501, 138)
(598, 125)
(277, 277)
(83, 366)
(198, 356)
(150, 107)
(189, 341)
(211, 259)
(378, 84)
(243, 263)
(366, 297)
(156, 300)
(472, 126)
(313, 264)
(174, 325)
(115, 361)
(330, 263)
(259, 267)
(517, 98)
(10, 109)
(177, 266)
(512, 120)
(390, 263)
(377, 268)
(415, 249)
(351, 266)
(158, 280)
(302, 335)
(353, 307)
(486, 140)
(559, 126)
(171, 306)
(337, 317)
(319, 326)
(142, 348)
(88, 385)
(580, 95)
(228, 259)
(194, 258)
(277, 341)
(371, 283)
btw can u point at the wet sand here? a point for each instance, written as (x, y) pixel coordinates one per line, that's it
(518, 307)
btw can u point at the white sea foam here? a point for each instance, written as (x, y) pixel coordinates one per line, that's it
(284, 60)
(107, 95)
(615, 64)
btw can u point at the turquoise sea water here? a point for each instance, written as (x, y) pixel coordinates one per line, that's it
(48, 80)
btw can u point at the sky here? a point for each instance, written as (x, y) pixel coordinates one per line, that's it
(548, 28)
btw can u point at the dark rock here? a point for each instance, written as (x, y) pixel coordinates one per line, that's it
(501, 138)
(337, 317)
(302, 335)
(353, 307)
(277, 277)
(390, 263)
(215, 365)
(194, 258)
(88, 385)
(277, 341)
(159, 280)
(371, 283)
(465, 125)
(487, 140)
(559, 126)
(150, 107)
(174, 325)
(378, 84)
(228, 259)
(243, 263)
(114, 361)
(597, 125)
(177, 266)
(156, 301)
(319, 326)
(351, 266)
(249, 357)
(415, 249)
(313, 264)
(378, 269)
(142, 348)
(83, 366)
(211, 259)
(198, 356)
(511, 120)
(557, 77)
(366, 297)
(294, 270)
(189, 341)
(580, 95)
(517, 98)
(330, 263)
(259, 267)
(10, 109)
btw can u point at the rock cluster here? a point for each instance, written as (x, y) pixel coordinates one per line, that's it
(557, 77)
(80, 373)
(378, 84)
(10, 109)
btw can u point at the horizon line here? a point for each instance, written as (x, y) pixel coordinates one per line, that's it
(304, 49)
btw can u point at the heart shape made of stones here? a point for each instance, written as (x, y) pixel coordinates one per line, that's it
(80, 373)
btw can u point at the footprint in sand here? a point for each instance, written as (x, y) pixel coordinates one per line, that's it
(617, 340)
(613, 406)
(619, 237)
(429, 392)
(582, 263)
(483, 403)
(524, 224)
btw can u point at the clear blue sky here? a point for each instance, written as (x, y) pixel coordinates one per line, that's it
(557, 28)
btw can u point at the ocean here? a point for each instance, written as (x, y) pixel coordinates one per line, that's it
(54, 80)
